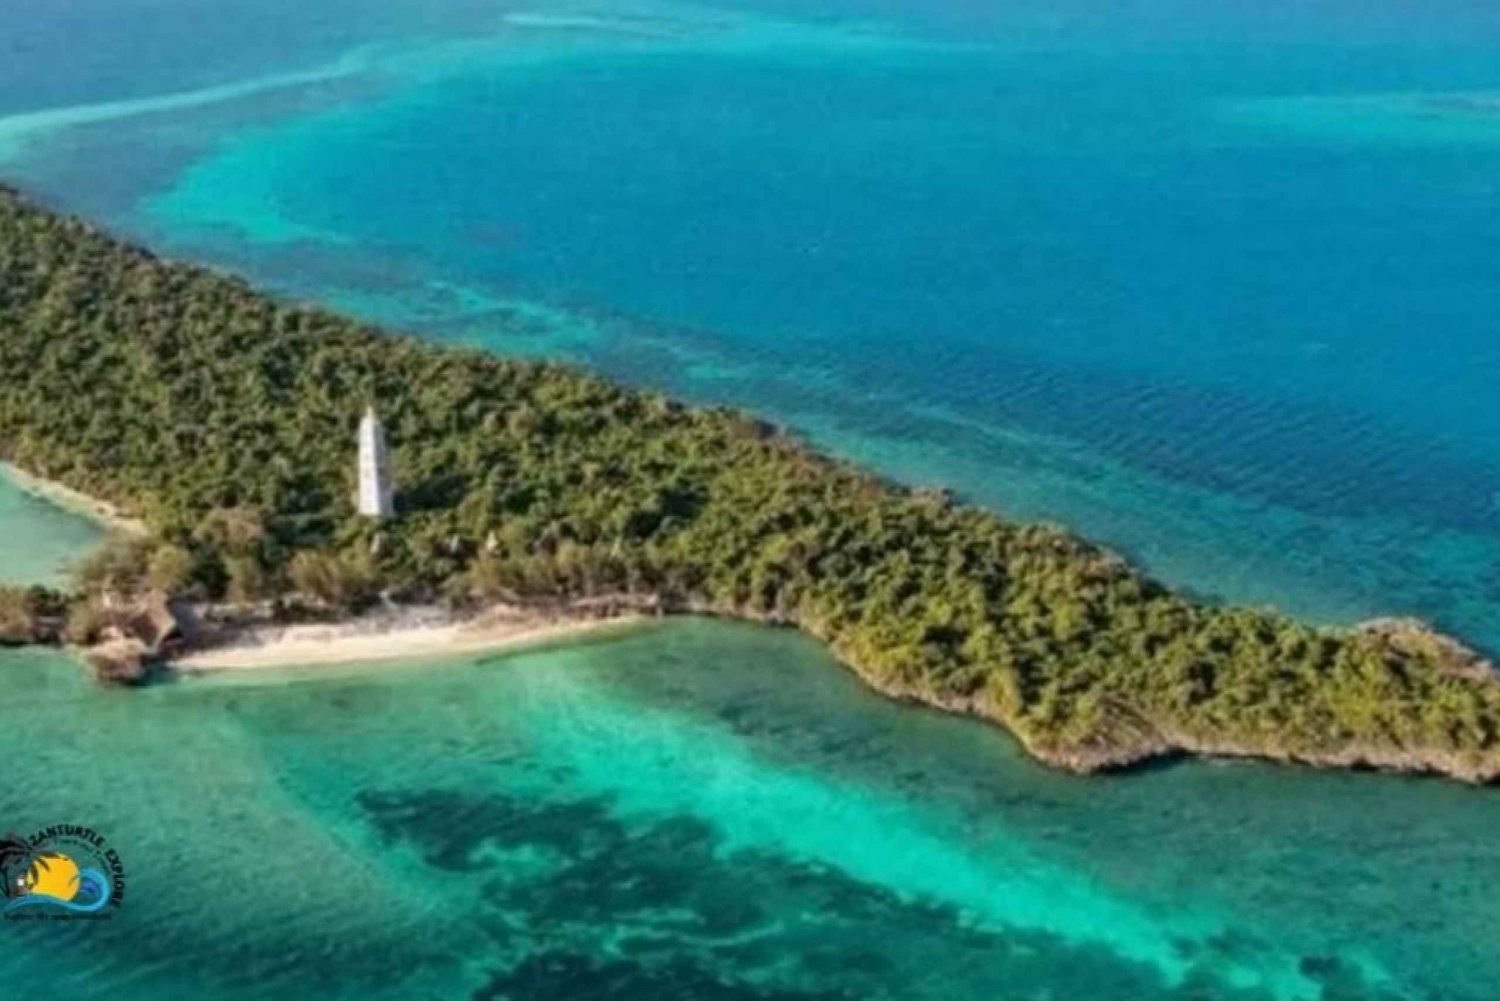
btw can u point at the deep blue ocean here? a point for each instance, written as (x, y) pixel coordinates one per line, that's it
(1214, 283)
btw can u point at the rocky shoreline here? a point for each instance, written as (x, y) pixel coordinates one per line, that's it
(1134, 740)
(157, 638)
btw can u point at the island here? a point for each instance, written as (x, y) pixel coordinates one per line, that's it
(222, 421)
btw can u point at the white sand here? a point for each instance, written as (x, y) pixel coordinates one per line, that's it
(399, 635)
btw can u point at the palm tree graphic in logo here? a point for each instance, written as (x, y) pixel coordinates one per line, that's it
(15, 857)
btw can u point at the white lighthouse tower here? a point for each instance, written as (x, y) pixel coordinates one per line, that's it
(374, 469)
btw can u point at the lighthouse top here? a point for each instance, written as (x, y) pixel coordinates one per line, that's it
(374, 468)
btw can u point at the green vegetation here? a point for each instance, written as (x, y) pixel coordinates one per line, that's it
(30, 615)
(226, 420)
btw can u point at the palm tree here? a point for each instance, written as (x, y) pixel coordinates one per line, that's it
(15, 853)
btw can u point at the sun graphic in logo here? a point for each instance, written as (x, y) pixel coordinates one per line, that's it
(53, 874)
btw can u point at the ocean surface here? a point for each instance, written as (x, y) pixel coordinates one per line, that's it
(1210, 282)
(706, 812)
(39, 543)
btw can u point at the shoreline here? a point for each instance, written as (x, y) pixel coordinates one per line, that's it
(405, 634)
(108, 516)
(397, 634)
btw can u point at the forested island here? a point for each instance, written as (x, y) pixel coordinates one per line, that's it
(224, 420)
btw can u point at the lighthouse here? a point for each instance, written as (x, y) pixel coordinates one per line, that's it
(374, 468)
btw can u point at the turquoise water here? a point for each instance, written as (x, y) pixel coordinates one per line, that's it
(1209, 281)
(41, 542)
(706, 811)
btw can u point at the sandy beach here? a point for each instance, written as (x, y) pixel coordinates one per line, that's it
(103, 512)
(401, 634)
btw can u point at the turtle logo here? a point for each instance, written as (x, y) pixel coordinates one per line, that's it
(61, 872)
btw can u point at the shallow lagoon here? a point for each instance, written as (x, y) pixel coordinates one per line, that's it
(705, 810)
(38, 541)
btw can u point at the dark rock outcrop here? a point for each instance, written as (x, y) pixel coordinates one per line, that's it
(133, 649)
(123, 661)
(1416, 636)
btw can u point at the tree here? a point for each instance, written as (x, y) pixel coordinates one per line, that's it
(169, 569)
(340, 582)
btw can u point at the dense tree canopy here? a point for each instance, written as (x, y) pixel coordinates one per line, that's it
(226, 420)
